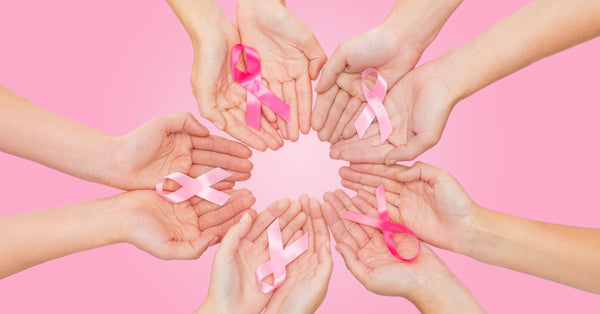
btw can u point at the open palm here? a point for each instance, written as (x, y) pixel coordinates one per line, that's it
(290, 58)
(222, 100)
(182, 230)
(418, 106)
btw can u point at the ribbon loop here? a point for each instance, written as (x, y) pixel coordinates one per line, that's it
(374, 107)
(199, 187)
(256, 92)
(279, 257)
(384, 224)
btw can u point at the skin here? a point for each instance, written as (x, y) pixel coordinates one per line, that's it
(393, 49)
(233, 287)
(291, 57)
(141, 218)
(426, 96)
(137, 160)
(434, 205)
(426, 281)
(220, 99)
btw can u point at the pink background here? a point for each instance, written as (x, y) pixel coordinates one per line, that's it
(524, 146)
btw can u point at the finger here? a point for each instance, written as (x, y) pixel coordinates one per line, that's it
(321, 232)
(223, 185)
(286, 217)
(384, 171)
(198, 170)
(350, 128)
(411, 150)
(304, 93)
(339, 104)
(325, 266)
(322, 107)
(420, 171)
(308, 226)
(267, 216)
(348, 113)
(267, 133)
(393, 211)
(354, 265)
(356, 186)
(316, 57)
(294, 230)
(360, 155)
(208, 109)
(221, 145)
(183, 250)
(243, 133)
(221, 160)
(266, 111)
(340, 228)
(289, 94)
(357, 231)
(277, 89)
(332, 69)
(227, 211)
(367, 179)
(187, 122)
(366, 208)
(231, 240)
(222, 229)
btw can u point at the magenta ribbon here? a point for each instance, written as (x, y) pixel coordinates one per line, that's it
(256, 92)
(199, 186)
(279, 257)
(383, 222)
(374, 107)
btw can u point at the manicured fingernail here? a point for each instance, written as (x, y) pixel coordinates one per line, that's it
(219, 126)
(245, 218)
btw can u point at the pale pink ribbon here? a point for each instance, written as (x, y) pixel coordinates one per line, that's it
(374, 107)
(199, 187)
(383, 222)
(256, 92)
(280, 257)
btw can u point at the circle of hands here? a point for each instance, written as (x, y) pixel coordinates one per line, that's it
(425, 199)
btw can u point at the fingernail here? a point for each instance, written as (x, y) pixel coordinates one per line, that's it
(245, 218)
(328, 245)
(390, 162)
(219, 126)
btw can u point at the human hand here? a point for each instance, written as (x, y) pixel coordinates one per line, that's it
(426, 281)
(308, 276)
(290, 58)
(233, 287)
(418, 106)
(393, 49)
(175, 143)
(426, 199)
(182, 230)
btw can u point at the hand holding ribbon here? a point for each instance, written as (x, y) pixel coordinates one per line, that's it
(256, 91)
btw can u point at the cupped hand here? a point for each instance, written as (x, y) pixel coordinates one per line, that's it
(220, 99)
(179, 230)
(340, 97)
(233, 287)
(367, 256)
(308, 276)
(175, 143)
(290, 57)
(418, 106)
(426, 199)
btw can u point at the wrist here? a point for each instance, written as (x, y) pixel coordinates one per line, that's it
(202, 19)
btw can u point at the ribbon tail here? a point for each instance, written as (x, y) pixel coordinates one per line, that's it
(364, 120)
(385, 126)
(252, 111)
(278, 106)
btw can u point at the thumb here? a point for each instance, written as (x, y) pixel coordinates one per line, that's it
(411, 150)
(331, 70)
(232, 238)
(208, 109)
(315, 55)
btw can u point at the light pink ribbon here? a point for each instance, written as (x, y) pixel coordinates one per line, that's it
(374, 107)
(383, 222)
(256, 92)
(279, 257)
(199, 186)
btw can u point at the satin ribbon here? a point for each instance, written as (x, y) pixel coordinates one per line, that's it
(256, 92)
(383, 222)
(279, 257)
(199, 186)
(374, 107)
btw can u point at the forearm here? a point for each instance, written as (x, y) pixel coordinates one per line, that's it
(33, 238)
(444, 293)
(539, 29)
(202, 19)
(420, 21)
(565, 254)
(34, 133)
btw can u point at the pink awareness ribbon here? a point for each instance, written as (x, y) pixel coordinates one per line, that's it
(256, 92)
(199, 186)
(374, 107)
(383, 222)
(280, 257)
